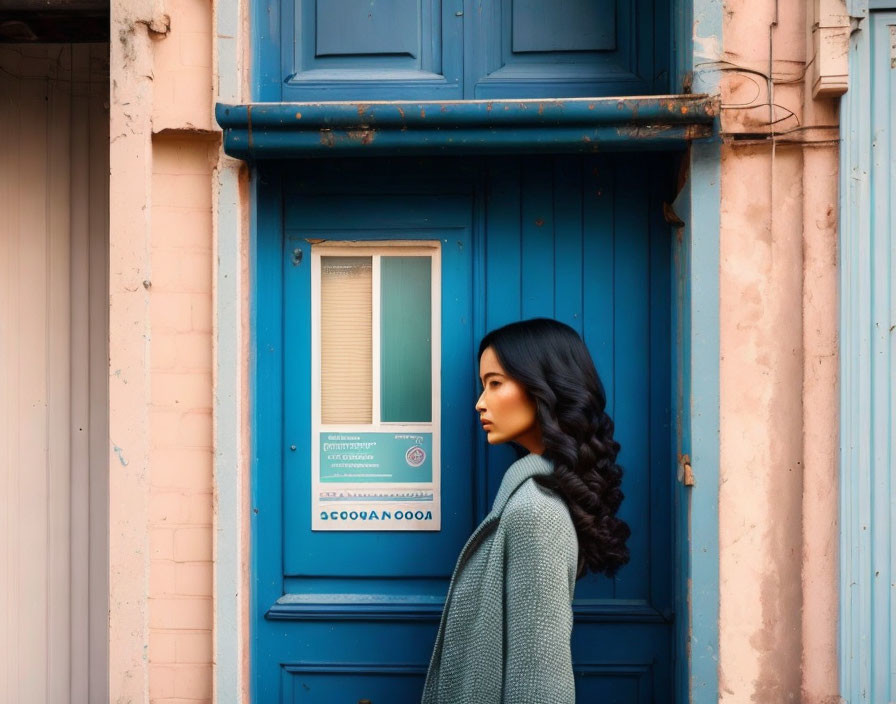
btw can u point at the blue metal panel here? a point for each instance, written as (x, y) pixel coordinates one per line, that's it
(868, 366)
(259, 131)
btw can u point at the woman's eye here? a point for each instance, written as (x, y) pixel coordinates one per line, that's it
(494, 384)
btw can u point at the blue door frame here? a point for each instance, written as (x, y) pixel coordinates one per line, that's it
(697, 37)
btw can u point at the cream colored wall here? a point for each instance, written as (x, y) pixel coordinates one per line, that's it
(778, 312)
(163, 157)
(53, 374)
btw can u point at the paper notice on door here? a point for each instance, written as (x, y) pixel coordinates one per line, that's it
(375, 481)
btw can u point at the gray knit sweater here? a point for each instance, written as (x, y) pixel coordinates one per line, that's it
(505, 630)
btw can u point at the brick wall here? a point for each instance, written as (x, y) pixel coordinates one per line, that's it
(181, 500)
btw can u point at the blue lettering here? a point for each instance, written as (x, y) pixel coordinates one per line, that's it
(353, 515)
(343, 515)
(386, 515)
(323, 515)
(334, 515)
(429, 515)
(373, 516)
(363, 515)
(419, 515)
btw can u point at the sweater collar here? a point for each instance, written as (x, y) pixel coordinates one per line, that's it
(521, 470)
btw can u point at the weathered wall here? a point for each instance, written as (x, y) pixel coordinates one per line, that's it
(163, 156)
(180, 453)
(778, 363)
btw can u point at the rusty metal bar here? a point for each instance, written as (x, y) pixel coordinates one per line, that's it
(284, 130)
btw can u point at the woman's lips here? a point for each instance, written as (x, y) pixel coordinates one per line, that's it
(485, 424)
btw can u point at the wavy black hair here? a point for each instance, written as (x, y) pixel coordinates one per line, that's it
(551, 362)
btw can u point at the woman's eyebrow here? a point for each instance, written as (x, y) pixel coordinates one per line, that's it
(488, 374)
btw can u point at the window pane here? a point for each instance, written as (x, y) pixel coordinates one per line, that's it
(406, 330)
(346, 333)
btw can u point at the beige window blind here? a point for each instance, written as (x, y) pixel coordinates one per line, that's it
(346, 340)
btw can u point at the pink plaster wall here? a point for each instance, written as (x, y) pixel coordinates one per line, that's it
(778, 313)
(181, 455)
(183, 97)
(163, 155)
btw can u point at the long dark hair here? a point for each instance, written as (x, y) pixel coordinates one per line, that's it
(551, 362)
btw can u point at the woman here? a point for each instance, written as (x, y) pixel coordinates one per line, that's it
(505, 630)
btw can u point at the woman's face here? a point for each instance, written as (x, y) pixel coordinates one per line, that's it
(505, 409)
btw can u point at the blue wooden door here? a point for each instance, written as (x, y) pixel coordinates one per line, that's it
(344, 616)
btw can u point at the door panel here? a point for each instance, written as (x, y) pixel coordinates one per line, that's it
(353, 615)
(406, 217)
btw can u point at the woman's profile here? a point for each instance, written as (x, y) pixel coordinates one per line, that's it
(505, 630)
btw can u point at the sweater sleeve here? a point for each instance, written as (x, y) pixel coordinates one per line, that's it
(540, 555)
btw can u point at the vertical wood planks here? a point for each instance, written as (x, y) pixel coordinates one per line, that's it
(598, 188)
(568, 253)
(598, 293)
(631, 371)
(503, 279)
(537, 239)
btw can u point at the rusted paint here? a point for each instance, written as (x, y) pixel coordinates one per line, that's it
(365, 136)
(359, 124)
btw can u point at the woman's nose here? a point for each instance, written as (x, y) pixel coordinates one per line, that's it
(480, 402)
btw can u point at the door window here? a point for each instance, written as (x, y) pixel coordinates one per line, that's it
(375, 352)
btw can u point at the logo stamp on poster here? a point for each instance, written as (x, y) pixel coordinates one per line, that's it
(415, 456)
